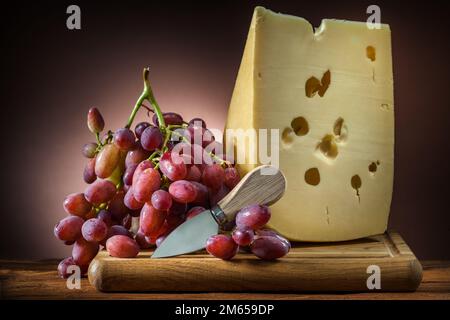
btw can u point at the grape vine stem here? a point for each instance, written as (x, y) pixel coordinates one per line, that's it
(147, 94)
(97, 136)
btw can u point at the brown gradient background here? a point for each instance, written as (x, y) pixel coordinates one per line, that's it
(51, 76)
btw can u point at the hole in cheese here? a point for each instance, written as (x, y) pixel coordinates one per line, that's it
(313, 85)
(370, 53)
(287, 136)
(356, 184)
(326, 79)
(300, 126)
(312, 176)
(384, 106)
(337, 129)
(340, 130)
(328, 146)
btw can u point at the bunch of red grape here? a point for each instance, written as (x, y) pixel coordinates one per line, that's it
(249, 234)
(163, 173)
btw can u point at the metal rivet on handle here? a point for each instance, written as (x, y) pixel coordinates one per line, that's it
(218, 215)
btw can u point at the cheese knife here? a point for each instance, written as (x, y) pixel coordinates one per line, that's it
(263, 185)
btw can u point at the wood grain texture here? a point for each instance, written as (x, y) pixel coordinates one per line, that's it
(257, 186)
(39, 280)
(337, 267)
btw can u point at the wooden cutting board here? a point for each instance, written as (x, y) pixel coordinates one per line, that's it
(311, 267)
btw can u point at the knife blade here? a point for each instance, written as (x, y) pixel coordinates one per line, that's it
(263, 185)
(193, 233)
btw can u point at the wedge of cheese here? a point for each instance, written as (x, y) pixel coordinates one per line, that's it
(329, 92)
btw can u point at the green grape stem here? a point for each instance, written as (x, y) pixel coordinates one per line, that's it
(147, 94)
(97, 137)
(168, 134)
(176, 126)
(154, 154)
(222, 162)
(180, 135)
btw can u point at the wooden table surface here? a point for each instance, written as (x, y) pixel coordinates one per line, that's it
(39, 280)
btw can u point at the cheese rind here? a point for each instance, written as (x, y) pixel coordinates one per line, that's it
(349, 113)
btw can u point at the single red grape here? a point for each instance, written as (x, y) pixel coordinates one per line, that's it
(107, 160)
(243, 236)
(64, 265)
(95, 121)
(101, 191)
(271, 233)
(116, 230)
(141, 240)
(232, 177)
(194, 174)
(202, 198)
(253, 216)
(170, 118)
(69, 228)
(84, 251)
(94, 230)
(151, 138)
(197, 122)
(151, 219)
(89, 175)
(183, 191)
(146, 164)
(221, 246)
(106, 217)
(161, 200)
(124, 139)
(128, 175)
(136, 155)
(172, 166)
(89, 150)
(148, 182)
(269, 247)
(76, 204)
(122, 247)
(213, 176)
(199, 136)
(131, 202)
(140, 127)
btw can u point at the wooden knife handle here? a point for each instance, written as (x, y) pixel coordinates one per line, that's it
(263, 185)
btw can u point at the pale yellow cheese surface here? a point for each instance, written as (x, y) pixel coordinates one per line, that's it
(345, 130)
